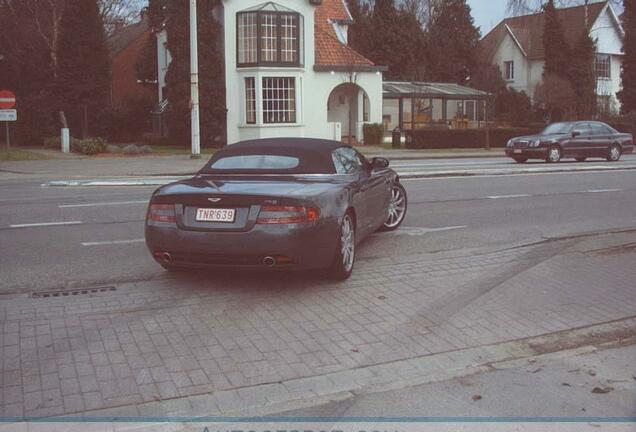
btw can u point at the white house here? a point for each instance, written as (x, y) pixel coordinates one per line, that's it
(289, 71)
(515, 45)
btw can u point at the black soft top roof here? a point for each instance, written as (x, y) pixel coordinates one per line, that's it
(314, 154)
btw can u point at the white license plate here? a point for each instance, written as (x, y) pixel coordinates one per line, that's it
(517, 151)
(215, 215)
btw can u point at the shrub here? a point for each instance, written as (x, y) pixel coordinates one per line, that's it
(54, 142)
(89, 146)
(154, 140)
(111, 148)
(131, 149)
(128, 122)
(461, 138)
(145, 149)
(372, 133)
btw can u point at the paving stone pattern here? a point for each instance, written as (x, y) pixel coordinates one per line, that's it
(200, 333)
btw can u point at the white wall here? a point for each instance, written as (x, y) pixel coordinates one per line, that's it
(163, 60)
(312, 88)
(508, 50)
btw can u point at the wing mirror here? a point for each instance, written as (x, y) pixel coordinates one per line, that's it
(379, 162)
(575, 133)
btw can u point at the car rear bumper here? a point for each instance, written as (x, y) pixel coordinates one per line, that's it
(295, 246)
(528, 152)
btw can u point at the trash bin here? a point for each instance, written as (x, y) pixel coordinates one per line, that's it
(396, 138)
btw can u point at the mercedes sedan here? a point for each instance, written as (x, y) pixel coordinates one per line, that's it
(289, 203)
(579, 140)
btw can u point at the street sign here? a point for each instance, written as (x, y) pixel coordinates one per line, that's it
(8, 115)
(7, 99)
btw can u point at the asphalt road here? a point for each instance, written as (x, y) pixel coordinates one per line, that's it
(53, 238)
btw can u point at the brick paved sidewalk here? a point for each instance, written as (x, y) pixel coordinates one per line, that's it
(224, 334)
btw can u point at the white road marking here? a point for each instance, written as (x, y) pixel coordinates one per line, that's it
(419, 231)
(479, 176)
(603, 190)
(507, 196)
(43, 224)
(115, 203)
(113, 242)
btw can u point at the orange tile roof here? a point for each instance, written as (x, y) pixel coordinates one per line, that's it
(329, 50)
(528, 29)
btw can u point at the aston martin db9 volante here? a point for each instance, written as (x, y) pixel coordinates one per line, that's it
(292, 203)
(579, 140)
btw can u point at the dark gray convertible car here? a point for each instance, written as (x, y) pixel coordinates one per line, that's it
(579, 140)
(292, 203)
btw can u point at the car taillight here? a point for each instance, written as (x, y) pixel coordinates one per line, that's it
(287, 215)
(162, 213)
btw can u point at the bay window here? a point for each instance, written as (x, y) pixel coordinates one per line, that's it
(269, 37)
(279, 100)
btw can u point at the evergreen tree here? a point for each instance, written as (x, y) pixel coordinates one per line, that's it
(556, 48)
(452, 54)
(83, 82)
(359, 30)
(384, 37)
(211, 73)
(627, 95)
(583, 76)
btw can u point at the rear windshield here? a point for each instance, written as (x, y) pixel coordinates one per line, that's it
(269, 160)
(255, 162)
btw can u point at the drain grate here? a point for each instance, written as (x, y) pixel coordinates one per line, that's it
(73, 292)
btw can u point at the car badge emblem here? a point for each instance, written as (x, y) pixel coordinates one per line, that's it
(214, 200)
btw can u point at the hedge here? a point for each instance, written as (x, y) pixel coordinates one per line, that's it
(462, 138)
(373, 133)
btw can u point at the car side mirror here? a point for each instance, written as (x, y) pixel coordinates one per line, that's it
(379, 162)
(575, 133)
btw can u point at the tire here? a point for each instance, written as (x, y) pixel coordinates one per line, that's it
(614, 153)
(521, 159)
(554, 154)
(580, 159)
(345, 256)
(397, 208)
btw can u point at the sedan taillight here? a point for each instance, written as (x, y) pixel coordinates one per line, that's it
(162, 213)
(287, 215)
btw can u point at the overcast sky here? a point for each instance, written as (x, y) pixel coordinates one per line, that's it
(487, 13)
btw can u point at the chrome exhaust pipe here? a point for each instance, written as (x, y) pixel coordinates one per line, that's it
(269, 261)
(166, 258)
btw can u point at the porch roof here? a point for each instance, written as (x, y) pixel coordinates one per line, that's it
(397, 89)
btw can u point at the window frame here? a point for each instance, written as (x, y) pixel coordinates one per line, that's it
(604, 59)
(264, 100)
(299, 41)
(251, 102)
(509, 70)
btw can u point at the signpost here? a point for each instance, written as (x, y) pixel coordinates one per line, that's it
(7, 114)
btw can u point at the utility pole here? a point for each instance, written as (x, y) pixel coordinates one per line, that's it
(194, 82)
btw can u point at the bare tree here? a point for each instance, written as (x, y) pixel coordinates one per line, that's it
(119, 12)
(524, 7)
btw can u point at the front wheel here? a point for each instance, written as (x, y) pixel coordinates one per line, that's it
(554, 154)
(345, 257)
(397, 208)
(614, 153)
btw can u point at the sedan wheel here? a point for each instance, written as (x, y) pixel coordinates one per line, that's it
(614, 153)
(554, 154)
(342, 265)
(397, 208)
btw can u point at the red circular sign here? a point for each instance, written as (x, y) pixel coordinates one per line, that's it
(7, 99)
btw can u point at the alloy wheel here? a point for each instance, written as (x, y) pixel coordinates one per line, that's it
(554, 154)
(615, 153)
(397, 208)
(347, 243)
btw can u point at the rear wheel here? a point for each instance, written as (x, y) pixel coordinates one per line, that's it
(614, 153)
(580, 159)
(521, 159)
(397, 208)
(554, 154)
(345, 257)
